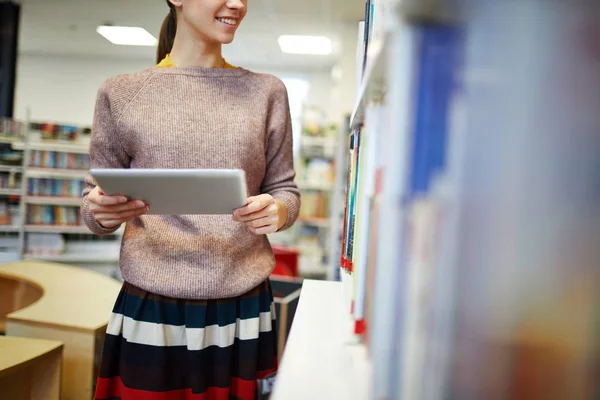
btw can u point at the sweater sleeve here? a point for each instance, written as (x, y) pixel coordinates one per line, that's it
(280, 174)
(106, 151)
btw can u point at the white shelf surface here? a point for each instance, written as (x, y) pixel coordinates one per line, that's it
(10, 192)
(9, 228)
(57, 229)
(66, 147)
(34, 172)
(54, 200)
(77, 257)
(322, 359)
(11, 139)
(10, 168)
(374, 79)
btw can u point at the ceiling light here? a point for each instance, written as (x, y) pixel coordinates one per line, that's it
(127, 35)
(299, 44)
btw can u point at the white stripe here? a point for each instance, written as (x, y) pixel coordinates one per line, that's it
(151, 334)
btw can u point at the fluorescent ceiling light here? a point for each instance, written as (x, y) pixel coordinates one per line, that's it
(299, 44)
(127, 35)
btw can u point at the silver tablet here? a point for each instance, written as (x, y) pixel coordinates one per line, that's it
(177, 191)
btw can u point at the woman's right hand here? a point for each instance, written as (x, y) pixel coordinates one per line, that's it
(112, 211)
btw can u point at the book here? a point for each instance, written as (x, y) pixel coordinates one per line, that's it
(360, 55)
(437, 68)
(344, 262)
(353, 198)
(366, 190)
(367, 29)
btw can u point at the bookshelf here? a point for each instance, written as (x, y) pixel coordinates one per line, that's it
(10, 192)
(316, 168)
(320, 338)
(53, 200)
(59, 173)
(9, 168)
(74, 229)
(57, 146)
(390, 208)
(11, 179)
(51, 169)
(456, 229)
(17, 140)
(76, 258)
(374, 82)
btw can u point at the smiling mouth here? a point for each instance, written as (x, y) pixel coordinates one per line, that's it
(228, 21)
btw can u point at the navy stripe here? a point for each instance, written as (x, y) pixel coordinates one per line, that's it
(182, 313)
(159, 369)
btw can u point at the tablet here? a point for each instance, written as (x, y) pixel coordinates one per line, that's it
(177, 191)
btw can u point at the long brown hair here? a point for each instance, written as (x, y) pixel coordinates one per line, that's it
(167, 33)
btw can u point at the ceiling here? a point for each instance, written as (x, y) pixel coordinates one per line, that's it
(68, 27)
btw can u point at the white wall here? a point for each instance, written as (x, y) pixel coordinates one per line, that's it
(343, 92)
(63, 89)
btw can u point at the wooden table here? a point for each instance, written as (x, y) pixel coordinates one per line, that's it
(74, 308)
(30, 369)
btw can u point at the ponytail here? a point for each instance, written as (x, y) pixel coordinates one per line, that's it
(167, 34)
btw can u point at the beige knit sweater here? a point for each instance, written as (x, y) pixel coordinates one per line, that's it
(195, 118)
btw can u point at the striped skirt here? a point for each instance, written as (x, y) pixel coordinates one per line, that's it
(160, 348)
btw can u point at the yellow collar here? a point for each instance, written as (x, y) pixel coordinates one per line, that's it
(166, 63)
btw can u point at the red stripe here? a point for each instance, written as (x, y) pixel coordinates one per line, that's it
(114, 387)
(243, 389)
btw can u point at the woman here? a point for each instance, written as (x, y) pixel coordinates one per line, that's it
(194, 319)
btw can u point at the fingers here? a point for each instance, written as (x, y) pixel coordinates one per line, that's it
(123, 216)
(117, 208)
(262, 222)
(263, 226)
(261, 215)
(265, 212)
(113, 220)
(265, 230)
(255, 204)
(112, 211)
(104, 200)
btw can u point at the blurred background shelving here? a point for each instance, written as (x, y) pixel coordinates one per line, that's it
(41, 178)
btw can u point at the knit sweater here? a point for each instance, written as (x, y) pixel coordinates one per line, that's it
(205, 118)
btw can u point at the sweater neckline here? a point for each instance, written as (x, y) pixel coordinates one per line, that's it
(200, 71)
(168, 63)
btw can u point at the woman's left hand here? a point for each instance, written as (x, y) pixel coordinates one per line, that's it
(262, 214)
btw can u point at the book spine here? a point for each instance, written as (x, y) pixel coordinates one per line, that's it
(343, 259)
(366, 192)
(366, 32)
(353, 199)
(360, 55)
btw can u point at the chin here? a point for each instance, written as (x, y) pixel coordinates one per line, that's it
(226, 39)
